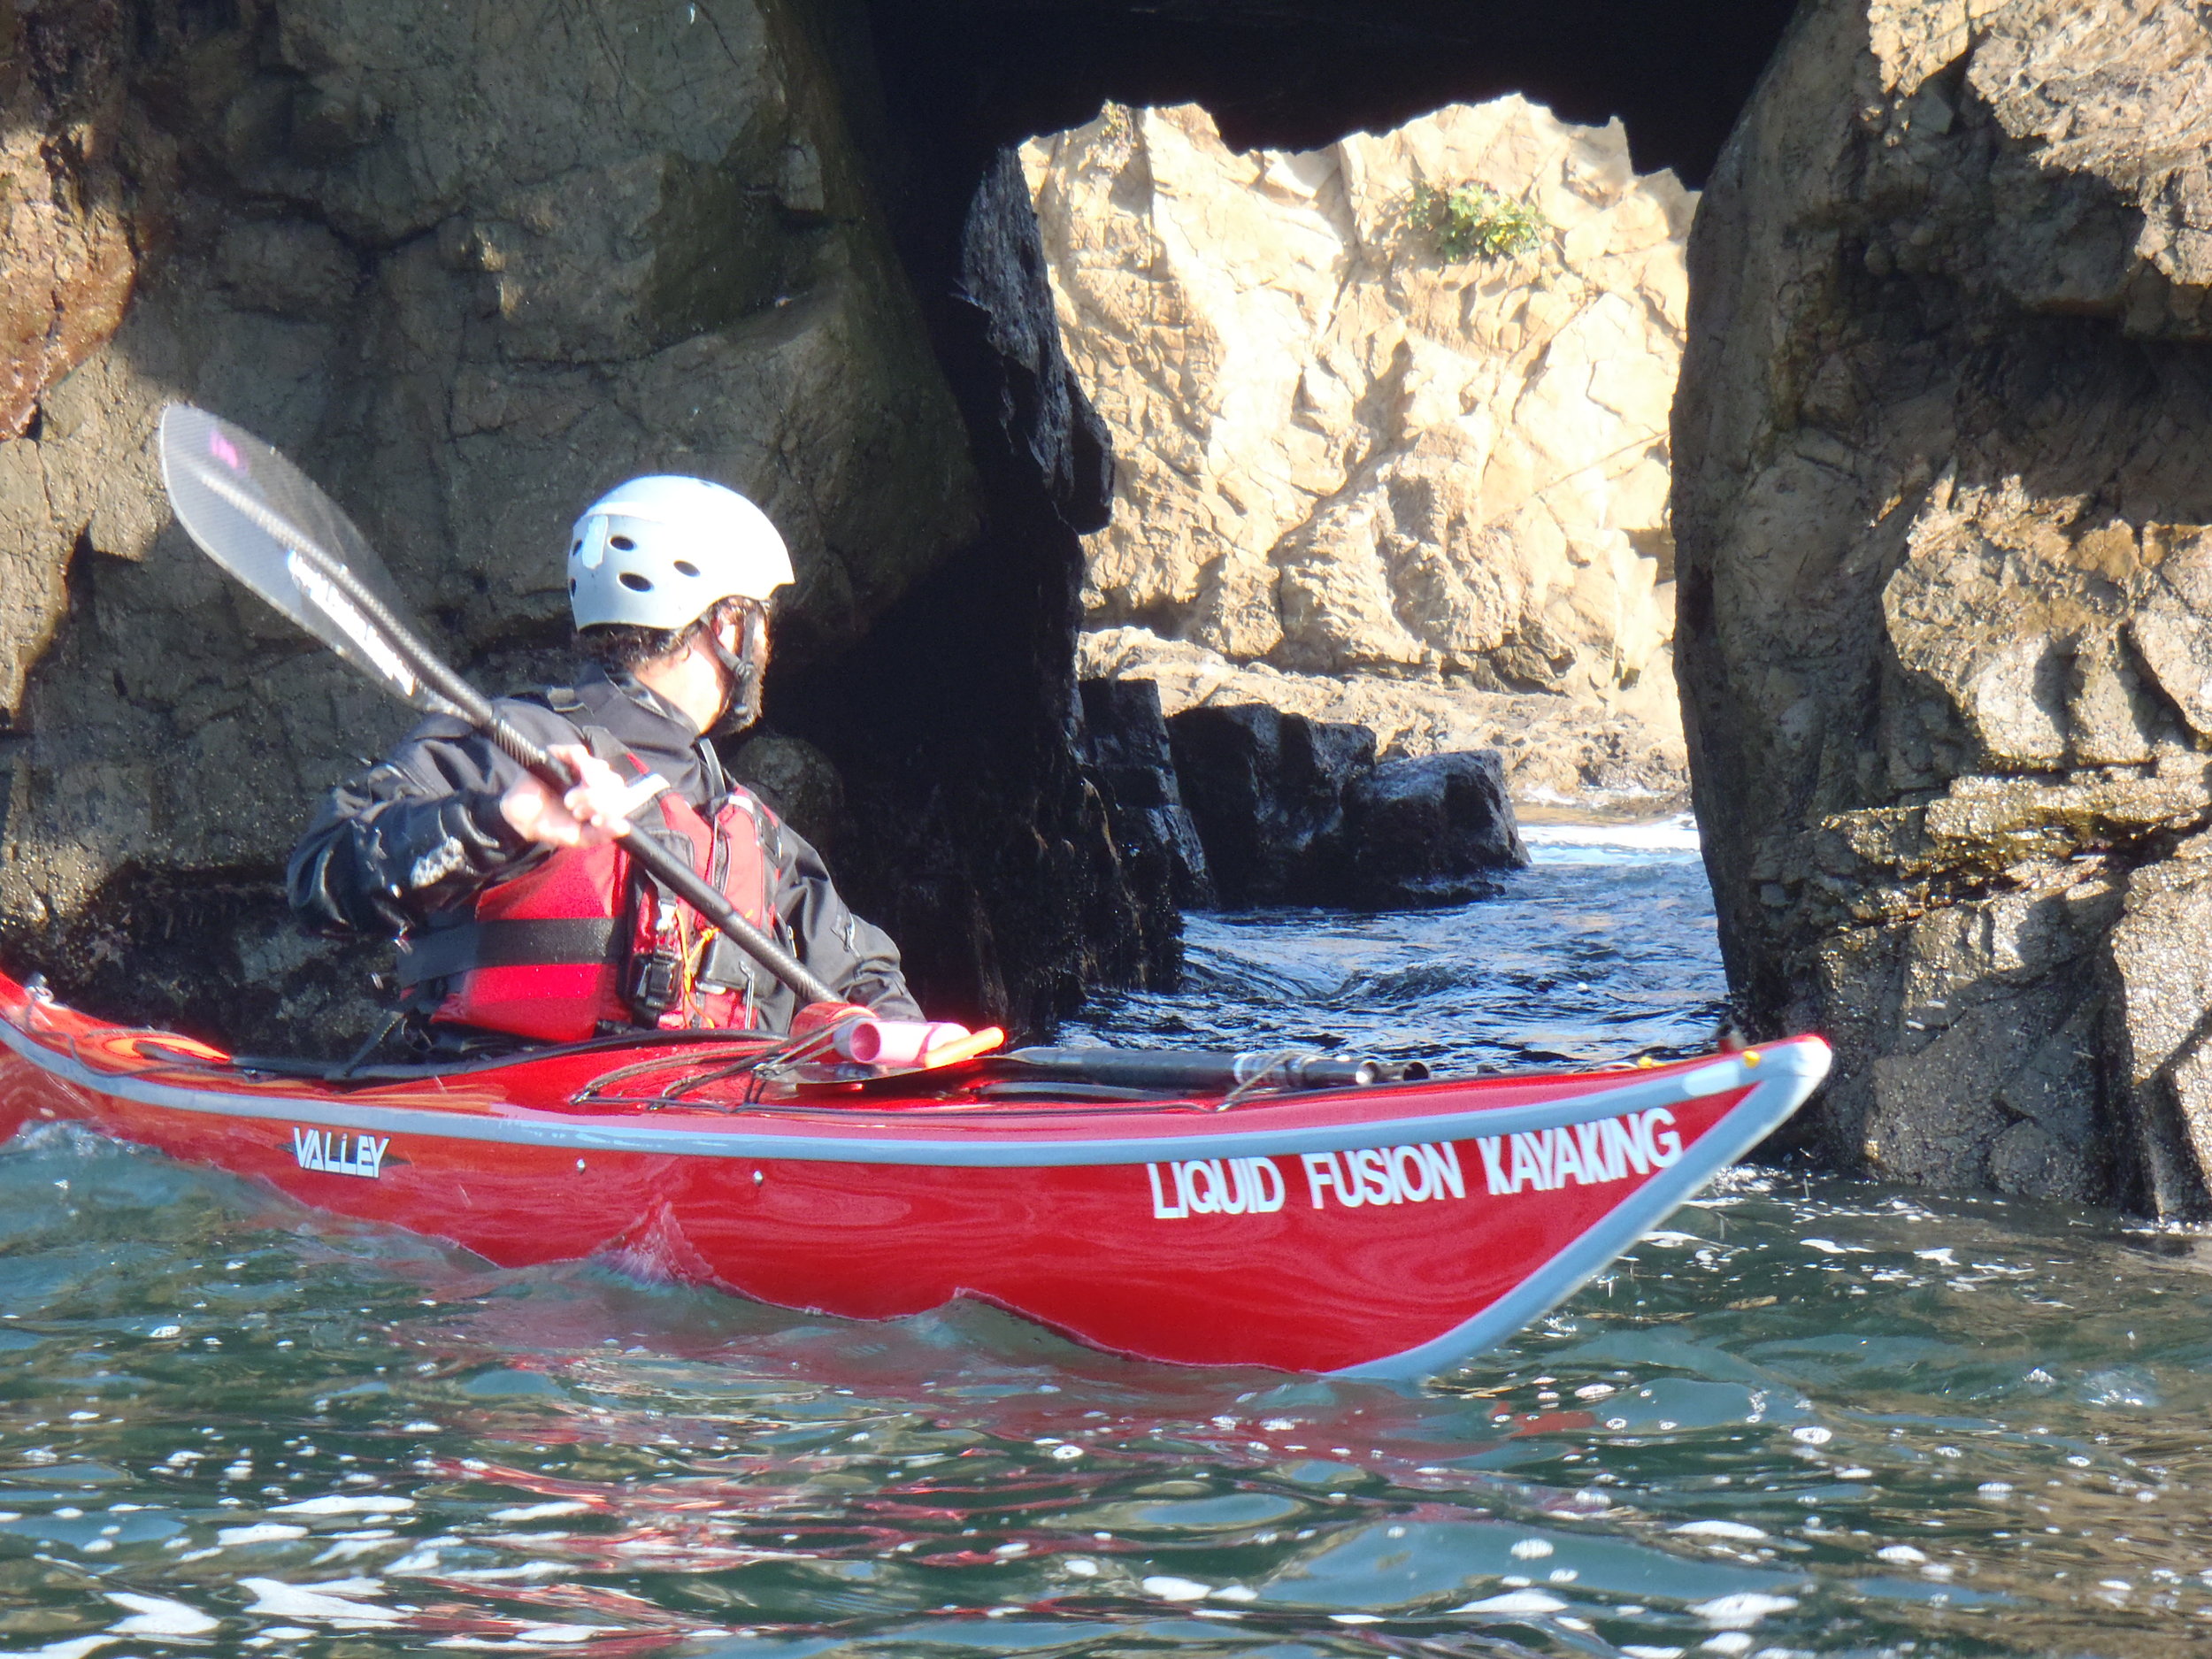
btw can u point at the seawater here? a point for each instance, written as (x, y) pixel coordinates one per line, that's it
(1807, 1417)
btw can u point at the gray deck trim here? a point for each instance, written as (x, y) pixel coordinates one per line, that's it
(975, 1148)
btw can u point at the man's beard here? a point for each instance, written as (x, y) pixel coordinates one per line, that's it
(746, 667)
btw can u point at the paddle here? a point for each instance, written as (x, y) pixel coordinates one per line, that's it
(260, 517)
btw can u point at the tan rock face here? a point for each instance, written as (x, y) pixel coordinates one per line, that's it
(1339, 451)
(1943, 475)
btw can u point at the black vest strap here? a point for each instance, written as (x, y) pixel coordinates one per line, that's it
(603, 744)
(446, 951)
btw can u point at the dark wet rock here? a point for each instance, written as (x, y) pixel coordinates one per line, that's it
(1134, 765)
(67, 263)
(1940, 499)
(1266, 790)
(1036, 410)
(1430, 831)
(800, 783)
(1296, 812)
(979, 843)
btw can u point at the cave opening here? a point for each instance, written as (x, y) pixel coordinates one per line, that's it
(970, 669)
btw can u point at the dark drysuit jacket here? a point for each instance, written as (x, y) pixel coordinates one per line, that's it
(407, 845)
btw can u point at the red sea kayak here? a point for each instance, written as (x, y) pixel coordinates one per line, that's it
(1372, 1229)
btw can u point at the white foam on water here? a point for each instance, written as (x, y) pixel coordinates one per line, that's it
(1172, 1589)
(1738, 1612)
(1675, 837)
(159, 1616)
(539, 1512)
(262, 1532)
(338, 1505)
(1515, 1602)
(331, 1602)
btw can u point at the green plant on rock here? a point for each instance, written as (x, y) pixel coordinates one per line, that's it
(1473, 222)
(1117, 132)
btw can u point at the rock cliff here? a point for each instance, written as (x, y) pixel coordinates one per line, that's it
(469, 267)
(1941, 503)
(1348, 448)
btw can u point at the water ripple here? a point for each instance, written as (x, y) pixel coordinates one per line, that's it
(1804, 1417)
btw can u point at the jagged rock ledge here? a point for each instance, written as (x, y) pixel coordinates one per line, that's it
(1556, 751)
(1366, 474)
(1240, 804)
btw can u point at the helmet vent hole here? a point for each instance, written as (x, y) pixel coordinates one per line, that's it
(576, 547)
(685, 567)
(620, 543)
(571, 587)
(635, 583)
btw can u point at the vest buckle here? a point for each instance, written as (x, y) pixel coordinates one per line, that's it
(657, 980)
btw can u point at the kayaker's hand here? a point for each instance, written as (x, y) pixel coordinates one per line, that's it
(591, 814)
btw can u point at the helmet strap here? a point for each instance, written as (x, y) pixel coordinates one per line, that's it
(741, 705)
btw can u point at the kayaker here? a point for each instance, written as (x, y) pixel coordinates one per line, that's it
(515, 910)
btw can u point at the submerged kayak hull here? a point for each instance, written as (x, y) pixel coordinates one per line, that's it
(1386, 1231)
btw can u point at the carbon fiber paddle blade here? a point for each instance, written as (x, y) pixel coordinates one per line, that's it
(263, 520)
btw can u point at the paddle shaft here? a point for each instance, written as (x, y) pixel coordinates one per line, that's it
(664, 866)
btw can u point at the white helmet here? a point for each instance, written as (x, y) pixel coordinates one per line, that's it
(657, 551)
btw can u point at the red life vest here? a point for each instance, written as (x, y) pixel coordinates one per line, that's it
(582, 938)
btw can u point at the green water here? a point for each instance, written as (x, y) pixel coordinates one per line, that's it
(1807, 1419)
